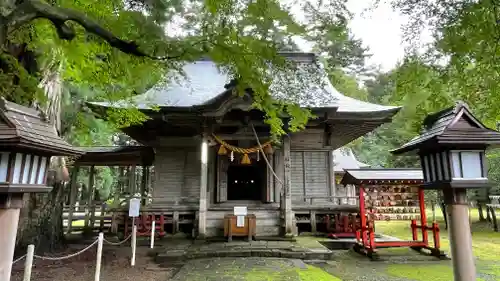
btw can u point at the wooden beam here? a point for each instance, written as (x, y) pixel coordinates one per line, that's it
(244, 136)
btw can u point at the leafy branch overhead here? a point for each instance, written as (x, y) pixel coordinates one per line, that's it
(30, 10)
(156, 37)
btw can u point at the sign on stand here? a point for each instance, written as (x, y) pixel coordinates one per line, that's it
(240, 213)
(133, 211)
(134, 207)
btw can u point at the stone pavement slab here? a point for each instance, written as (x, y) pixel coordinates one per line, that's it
(175, 252)
(241, 269)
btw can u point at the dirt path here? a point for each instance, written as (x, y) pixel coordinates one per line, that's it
(115, 267)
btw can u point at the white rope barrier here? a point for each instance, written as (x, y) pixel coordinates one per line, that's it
(118, 243)
(153, 227)
(19, 259)
(68, 256)
(29, 263)
(134, 241)
(99, 241)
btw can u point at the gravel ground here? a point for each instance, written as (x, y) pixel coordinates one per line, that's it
(115, 267)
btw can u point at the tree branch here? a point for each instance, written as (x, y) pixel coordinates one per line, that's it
(30, 10)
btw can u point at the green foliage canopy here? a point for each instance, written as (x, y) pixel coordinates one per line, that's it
(116, 49)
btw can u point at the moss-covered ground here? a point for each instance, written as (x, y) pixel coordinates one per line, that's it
(251, 269)
(401, 264)
(395, 264)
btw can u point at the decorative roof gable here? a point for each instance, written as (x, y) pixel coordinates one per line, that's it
(27, 128)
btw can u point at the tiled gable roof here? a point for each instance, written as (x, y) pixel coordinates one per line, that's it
(204, 81)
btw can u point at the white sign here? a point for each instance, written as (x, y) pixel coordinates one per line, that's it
(240, 211)
(134, 207)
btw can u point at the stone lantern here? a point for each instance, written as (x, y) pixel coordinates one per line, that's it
(27, 142)
(452, 154)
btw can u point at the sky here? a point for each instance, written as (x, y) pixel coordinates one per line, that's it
(380, 29)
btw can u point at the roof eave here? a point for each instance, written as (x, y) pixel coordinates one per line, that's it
(52, 150)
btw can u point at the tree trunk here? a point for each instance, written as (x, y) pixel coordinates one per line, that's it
(41, 220)
(480, 211)
(443, 210)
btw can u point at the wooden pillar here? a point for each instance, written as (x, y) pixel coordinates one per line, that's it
(270, 179)
(72, 196)
(287, 182)
(90, 197)
(10, 208)
(132, 181)
(144, 184)
(464, 268)
(278, 169)
(304, 176)
(331, 176)
(202, 211)
(222, 166)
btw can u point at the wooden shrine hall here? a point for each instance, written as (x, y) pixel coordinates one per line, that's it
(206, 140)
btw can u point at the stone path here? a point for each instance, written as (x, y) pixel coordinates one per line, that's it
(242, 269)
(182, 251)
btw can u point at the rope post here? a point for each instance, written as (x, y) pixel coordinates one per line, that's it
(29, 262)
(134, 241)
(99, 256)
(153, 226)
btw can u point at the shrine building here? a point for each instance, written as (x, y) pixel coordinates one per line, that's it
(206, 150)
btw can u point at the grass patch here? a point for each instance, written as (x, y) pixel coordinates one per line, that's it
(421, 272)
(313, 273)
(485, 246)
(405, 264)
(78, 223)
(310, 242)
(485, 242)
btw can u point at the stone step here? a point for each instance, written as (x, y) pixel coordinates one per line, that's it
(179, 256)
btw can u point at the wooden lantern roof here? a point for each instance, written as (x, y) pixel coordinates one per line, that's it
(454, 127)
(383, 176)
(26, 129)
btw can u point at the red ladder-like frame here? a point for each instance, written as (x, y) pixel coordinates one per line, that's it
(365, 234)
